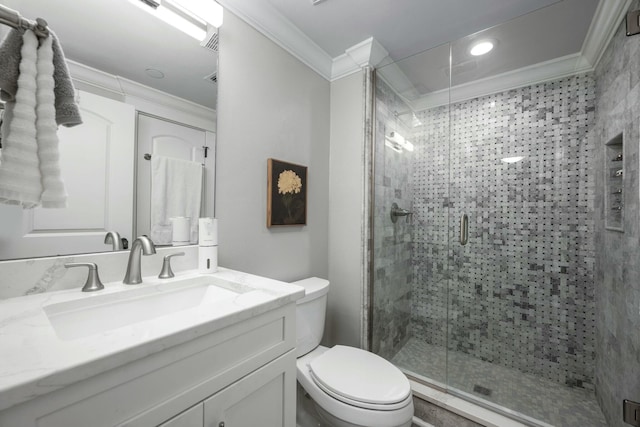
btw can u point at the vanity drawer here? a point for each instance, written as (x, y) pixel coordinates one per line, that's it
(155, 388)
(192, 417)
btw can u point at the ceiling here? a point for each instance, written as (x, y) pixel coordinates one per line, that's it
(551, 32)
(403, 27)
(334, 36)
(536, 40)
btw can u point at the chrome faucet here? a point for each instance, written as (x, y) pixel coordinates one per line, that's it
(141, 244)
(113, 238)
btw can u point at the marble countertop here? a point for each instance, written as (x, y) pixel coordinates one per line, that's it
(35, 359)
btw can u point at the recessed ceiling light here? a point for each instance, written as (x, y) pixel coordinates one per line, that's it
(156, 74)
(481, 48)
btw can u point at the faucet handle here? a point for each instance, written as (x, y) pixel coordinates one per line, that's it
(93, 282)
(166, 272)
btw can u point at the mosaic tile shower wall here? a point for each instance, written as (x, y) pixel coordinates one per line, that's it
(617, 269)
(521, 292)
(393, 275)
(430, 247)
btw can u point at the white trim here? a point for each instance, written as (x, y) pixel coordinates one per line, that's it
(417, 421)
(361, 52)
(343, 66)
(538, 73)
(272, 24)
(603, 28)
(462, 407)
(144, 98)
(163, 104)
(198, 119)
(367, 53)
(267, 20)
(94, 77)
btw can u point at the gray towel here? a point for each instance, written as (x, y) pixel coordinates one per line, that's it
(67, 112)
(10, 64)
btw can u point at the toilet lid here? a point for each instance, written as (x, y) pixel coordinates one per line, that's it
(359, 377)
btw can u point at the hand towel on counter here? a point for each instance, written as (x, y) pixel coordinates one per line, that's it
(176, 190)
(67, 111)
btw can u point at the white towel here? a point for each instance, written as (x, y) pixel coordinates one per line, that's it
(53, 194)
(20, 181)
(29, 163)
(176, 190)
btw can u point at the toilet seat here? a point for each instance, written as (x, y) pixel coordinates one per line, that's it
(360, 378)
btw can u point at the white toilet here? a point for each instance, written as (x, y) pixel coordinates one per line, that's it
(350, 387)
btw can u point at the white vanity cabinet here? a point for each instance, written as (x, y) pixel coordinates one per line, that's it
(240, 374)
(259, 399)
(192, 417)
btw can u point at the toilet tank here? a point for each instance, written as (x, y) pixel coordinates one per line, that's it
(310, 314)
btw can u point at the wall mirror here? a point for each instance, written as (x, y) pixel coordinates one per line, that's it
(130, 69)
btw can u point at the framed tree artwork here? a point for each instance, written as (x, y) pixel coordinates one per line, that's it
(286, 193)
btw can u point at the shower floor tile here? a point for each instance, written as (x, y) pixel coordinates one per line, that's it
(540, 399)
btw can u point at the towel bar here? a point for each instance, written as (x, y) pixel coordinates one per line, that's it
(13, 19)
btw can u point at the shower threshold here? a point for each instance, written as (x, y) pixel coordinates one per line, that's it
(530, 400)
(463, 407)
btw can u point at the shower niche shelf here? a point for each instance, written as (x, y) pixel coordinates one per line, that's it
(614, 184)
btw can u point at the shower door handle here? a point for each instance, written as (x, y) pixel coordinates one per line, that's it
(464, 229)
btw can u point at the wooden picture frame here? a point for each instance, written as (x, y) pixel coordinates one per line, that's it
(286, 193)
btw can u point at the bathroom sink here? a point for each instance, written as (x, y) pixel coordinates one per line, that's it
(97, 313)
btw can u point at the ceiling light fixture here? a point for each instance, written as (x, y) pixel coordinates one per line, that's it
(408, 146)
(395, 147)
(190, 17)
(397, 142)
(481, 48)
(209, 11)
(512, 159)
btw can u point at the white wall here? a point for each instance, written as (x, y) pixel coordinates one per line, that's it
(270, 105)
(344, 315)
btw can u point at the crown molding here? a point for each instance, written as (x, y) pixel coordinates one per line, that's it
(603, 28)
(607, 18)
(538, 73)
(398, 80)
(268, 21)
(144, 98)
(342, 66)
(367, 53)
(95, 78)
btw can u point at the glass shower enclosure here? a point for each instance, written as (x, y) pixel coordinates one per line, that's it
(483, 248)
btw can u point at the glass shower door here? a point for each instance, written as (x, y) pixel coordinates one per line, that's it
(521, 309)
(487, 289)
(411, 165)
